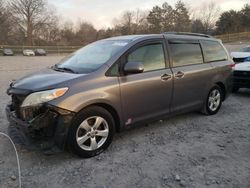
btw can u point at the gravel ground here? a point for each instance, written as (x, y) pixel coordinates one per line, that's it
(190, 150)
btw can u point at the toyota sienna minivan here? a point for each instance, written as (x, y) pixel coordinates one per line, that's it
(80, 102)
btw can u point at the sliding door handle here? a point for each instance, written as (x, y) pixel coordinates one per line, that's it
(179, 74)
(166, 77)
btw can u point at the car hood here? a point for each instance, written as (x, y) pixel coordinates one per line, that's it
(44, 79)
(243, 66)
(240, 54)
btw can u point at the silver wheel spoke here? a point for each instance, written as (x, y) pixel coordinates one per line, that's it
(213, 93)
(103, 133)
(217, 96)
(85, 125)
(92, 135)
(98, 122)
(214, 100)
(93, 143)
(81, 140)
(210, 99)
(211, 106)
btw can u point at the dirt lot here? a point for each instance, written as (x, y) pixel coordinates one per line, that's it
(190, 150)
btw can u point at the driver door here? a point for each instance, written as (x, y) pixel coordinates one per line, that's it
(148, 94)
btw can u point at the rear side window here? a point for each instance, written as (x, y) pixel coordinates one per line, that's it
(213, 51)
(151, 55)
(186, 54)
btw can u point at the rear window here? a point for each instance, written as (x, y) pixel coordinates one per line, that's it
(213, 51)
(186, 54)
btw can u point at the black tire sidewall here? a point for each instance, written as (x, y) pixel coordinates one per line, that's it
(210, 112)
(78, 119)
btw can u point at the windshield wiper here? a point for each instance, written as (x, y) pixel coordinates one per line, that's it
(63, 69)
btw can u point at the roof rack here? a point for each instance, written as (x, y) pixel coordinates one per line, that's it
(188, 33)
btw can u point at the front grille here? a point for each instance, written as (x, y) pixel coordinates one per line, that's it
(242, 74)
(28, 113)
(17, 101)
(239, 60)
(24, 113)
(242, 78)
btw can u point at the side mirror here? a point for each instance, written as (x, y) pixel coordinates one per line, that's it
(133, 67)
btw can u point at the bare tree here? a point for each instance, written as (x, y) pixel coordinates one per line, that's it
(140, 21)
(132, 22)
(86, 33)
(47, 33)
(208, 13)
(5, 24)
(67, 33)
(30, 15)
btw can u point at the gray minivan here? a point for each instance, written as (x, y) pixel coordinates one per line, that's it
(117, 82)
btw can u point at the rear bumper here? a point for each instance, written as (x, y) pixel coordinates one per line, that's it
(50, 127)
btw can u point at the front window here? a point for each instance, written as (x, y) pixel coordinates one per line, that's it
(151, 55)
(91, 57)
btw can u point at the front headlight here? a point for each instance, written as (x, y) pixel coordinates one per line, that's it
(43, 96)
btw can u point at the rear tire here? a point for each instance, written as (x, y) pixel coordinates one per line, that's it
(213, 101)
(91, 132)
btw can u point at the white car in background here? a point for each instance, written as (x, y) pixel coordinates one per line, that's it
(241, 76)
(28, 52)
(240, 56)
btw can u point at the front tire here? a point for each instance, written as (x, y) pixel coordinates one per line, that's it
(213, 101)
(91, 132)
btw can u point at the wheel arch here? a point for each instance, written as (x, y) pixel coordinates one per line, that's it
(223, 89)
(111, 110)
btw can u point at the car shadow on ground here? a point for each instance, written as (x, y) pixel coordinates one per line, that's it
(243, 93)
(129, 134)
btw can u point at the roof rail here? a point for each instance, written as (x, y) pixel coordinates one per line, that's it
(188, 33)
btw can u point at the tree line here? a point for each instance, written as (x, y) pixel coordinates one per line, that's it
(35, 22)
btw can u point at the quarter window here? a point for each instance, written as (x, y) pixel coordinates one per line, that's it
(186, 54)
(151, 55)
(213, 51)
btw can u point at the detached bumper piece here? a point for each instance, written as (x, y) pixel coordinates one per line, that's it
(241, 79)
(43, 126)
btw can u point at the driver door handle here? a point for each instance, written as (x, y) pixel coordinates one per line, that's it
(179, 74)
(166, 77)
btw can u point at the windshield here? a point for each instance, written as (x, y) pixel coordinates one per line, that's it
(246, 49)
(90, 57)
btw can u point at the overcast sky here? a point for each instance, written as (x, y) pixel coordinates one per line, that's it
(102, 12)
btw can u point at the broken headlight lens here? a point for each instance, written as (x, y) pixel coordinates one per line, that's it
(43, 96)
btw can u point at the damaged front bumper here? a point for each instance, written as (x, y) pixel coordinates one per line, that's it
(45, 123)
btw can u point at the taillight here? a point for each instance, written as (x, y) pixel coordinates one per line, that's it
(232, 65)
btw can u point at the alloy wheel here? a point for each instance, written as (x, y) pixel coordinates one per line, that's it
(92, 133)
(214, 100)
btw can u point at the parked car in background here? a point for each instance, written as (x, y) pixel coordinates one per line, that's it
(241, 76)
(118, 82)
(28, 52)
(240, 56)
(40, 52)
(8, 52)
